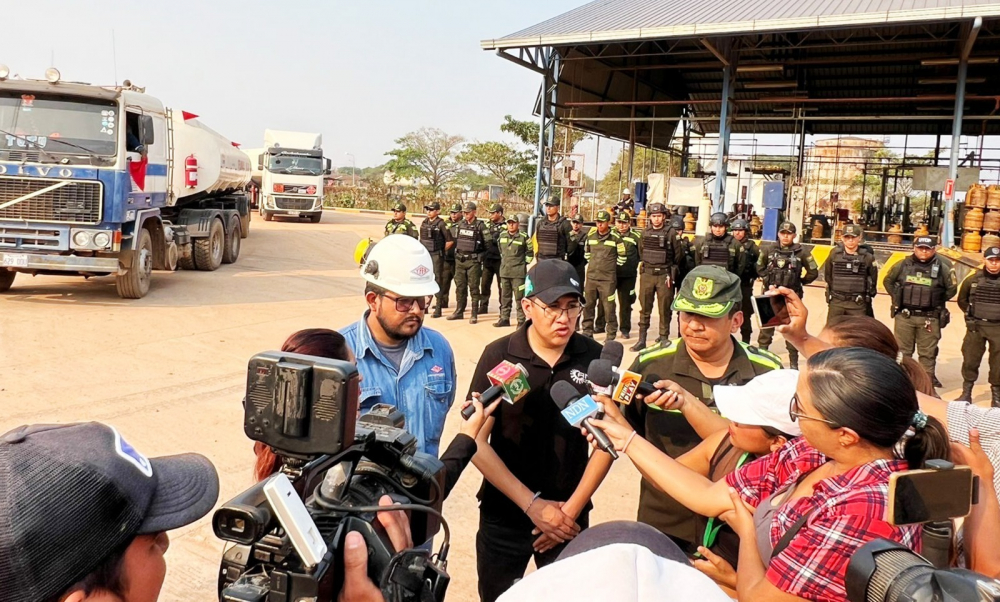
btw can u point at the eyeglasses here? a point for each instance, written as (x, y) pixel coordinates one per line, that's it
(795, 413)
(554, 313)
(405, 304)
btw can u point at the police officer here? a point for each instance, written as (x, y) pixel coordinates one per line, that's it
(627, 273)
(661, 254)
(470, 244)
(454, 218)
(436, 238)
(515, 255)
(920, 285)
(686, 262)
(552, 233)
(399, 224)
(604, 251)
(576, 256)
(782, 265)
(491, 261)
(851, 277)
(748, 276)
(979, 298)
(719, 247)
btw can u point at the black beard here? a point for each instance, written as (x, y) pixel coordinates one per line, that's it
(393, 332)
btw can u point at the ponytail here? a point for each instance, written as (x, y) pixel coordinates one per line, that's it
(927, 443)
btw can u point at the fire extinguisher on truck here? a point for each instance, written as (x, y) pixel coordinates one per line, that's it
(191, 171)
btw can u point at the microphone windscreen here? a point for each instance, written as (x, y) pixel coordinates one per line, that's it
(600, 373)
(613, 352)
(563, 394)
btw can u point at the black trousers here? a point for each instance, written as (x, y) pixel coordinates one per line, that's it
(491, 269)
(503, 552)
(625, 291)
(448, 267)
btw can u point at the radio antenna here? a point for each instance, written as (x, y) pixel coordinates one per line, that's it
(114, 57)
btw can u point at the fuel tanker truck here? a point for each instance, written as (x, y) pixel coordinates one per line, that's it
(288, 175)
(107, 181)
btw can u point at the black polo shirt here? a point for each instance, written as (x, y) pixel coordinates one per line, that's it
(531, 437)
(670, 432)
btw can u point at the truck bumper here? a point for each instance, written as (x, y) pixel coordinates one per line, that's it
(36, 262)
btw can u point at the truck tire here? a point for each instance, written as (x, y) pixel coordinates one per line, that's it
(245, 230)
(316, 218)
(231, 249)
(208, 250)
(267, 216)
(6, 280)
(134, 283)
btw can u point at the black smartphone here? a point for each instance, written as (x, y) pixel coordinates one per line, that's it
(919, 496)
(770, 310)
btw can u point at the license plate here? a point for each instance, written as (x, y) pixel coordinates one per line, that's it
(14, 260)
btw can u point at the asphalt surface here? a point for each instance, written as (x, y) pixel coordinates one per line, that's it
(169, 370)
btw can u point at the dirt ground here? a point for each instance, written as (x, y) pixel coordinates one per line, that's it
(169, 370)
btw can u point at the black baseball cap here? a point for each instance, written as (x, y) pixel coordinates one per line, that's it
(456, 208)
(496, 208)
(552, 201)
(435, 206)
(853, 230)
(550, 279)
(991, 253)
(73, 494)
(786, 226)
(924, 241)
(469, 207)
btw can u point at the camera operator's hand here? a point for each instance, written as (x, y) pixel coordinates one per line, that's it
(552, 521)
(482, 417)
(396, 525)
(357, 586)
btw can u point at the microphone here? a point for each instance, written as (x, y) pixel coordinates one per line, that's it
(612, 353)
(509, 381)
(623, 384)
(578, 410)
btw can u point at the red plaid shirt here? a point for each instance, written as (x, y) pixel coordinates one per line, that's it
(845, 512)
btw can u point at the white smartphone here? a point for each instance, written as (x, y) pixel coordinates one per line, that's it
(295, 519)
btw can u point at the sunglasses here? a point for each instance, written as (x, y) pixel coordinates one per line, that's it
(405, 304)
(795, 413)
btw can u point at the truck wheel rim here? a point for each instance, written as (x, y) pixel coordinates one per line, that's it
(217, 247)
(145, 264)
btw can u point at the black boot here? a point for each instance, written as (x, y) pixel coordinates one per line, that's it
(995, 396)
(484, 307)
(966, 391)
(437, 311)
(475, 316)
(501, 323)
(458, 315)
(641, 343)
(935, 381)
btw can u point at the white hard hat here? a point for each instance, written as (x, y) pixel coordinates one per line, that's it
(626, 191)
(401, 265)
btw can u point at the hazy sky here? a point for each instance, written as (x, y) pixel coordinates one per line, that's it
(363, 73)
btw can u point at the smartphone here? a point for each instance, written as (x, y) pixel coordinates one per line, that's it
(770, 311)
(920, 496)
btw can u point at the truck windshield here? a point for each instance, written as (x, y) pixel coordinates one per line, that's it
(291, 164)
(57, 125)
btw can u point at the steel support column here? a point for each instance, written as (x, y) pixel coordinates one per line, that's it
(686, 144)
(549, 64)
(948, 232)
(725, 127)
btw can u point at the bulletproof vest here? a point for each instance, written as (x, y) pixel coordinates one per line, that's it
(922, 287)
(715, 251)
(551, 242)
(657, 246)
(849, 274)
(470, 238)
(984, 299)
(449, 254)
(785, 268)
(431, 236)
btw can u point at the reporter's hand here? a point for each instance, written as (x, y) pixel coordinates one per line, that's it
(669, 396)
(475, 423)
(798, 315)
(357, 586)
(716, 567)
(396, 524)
(550, 520)
(610, 409)
(617, 433)
(974, 457)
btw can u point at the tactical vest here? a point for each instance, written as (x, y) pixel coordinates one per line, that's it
(551, 242)
(492, 249)
(657, 247)
(715, 251)
(785, 269)
(470, 238)
(850, 274)
(984, 299)
(431, 236)
(449, 254)
(922, 287)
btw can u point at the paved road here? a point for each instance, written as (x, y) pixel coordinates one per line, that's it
(169, 370)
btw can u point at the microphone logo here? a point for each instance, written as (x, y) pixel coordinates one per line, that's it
(628, 384)
(580, 409)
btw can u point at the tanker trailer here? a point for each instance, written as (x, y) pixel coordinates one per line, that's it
(106, 181)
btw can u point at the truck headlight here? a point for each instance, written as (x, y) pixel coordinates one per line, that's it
(81, 238)
(102, 240)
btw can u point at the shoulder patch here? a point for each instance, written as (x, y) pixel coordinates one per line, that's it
(762, 356)
(658, 350)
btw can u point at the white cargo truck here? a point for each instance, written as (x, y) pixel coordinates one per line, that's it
(107, 181)
(288, 174)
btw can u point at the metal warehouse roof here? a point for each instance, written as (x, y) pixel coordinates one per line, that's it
(621, 20)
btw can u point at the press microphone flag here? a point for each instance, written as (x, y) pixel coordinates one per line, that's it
(509, 381)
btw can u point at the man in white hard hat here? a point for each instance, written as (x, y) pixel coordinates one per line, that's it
(402, 363)
(627, 203)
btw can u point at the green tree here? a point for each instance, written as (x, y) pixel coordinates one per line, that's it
(428, 155)
(646, 161)
(566, 138)
(508, 165)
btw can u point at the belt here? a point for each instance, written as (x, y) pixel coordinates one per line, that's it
(465, 256)
(859, 298)
(923, 313)
(656, 269)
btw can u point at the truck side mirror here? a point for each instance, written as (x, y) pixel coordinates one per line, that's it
(329, 167)
(146, 134)
(260, 161)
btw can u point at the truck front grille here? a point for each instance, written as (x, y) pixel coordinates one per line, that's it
(75, 202)
(30, 238)
(293, 204)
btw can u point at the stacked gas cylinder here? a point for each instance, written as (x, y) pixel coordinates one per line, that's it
(982, 218)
